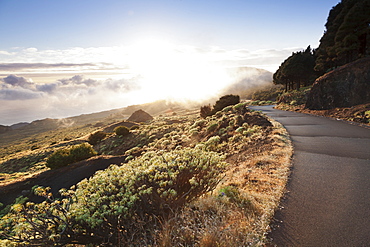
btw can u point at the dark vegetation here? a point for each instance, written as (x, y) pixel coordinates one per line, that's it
(297, 70)
(223, 102)
(347, 36)
(66, 156)
(96, 137)
(121, 131)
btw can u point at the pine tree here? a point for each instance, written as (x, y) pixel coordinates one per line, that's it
(297, 70)
(347, 35)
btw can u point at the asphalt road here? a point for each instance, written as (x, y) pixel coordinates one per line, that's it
(328, 199)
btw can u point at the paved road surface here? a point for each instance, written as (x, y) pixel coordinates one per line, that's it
(328, 203)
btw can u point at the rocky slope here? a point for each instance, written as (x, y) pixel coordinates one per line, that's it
(345, 86)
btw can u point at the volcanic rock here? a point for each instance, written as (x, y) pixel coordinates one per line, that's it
(345, 86)
(140, 116)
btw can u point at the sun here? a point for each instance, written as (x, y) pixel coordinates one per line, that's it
(175, 72)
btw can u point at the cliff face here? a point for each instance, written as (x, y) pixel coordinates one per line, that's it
(346, 86)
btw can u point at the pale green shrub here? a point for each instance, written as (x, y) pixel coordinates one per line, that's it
(212, 142)
(212, 127)
(64, 157)
(240, 130)
(118, 204)
(240, 107)
(154, 184)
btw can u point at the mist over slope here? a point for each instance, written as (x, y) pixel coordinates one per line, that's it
(24, 100)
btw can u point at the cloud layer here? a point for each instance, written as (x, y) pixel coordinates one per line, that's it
(102, 78)
(24, 100)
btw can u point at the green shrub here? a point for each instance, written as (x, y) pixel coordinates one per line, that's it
(212, 143)
(224, 101)
(240, 107)
(212, 127)
(118, 204)
(298, 97)
(227, 108)
(64, 157)
(96, 137)
(240, 130)
(234, 196)
(145, 188)
(121, 131)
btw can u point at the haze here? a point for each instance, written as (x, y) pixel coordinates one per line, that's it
(64, 58)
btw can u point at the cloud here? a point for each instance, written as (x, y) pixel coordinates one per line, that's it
(15, 87)
(33, 66)
(18, 94)
(64, 97)
(78, 80)
(246, 78)
(48, 87)
(15, 81)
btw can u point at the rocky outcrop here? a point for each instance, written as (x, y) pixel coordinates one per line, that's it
(140, 116)
(346, 86)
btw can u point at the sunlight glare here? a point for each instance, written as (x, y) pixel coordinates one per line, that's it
(169, 72)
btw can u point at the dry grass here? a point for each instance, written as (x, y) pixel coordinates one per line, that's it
(240, 219)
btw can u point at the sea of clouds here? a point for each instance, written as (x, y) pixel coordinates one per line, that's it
(34, 84)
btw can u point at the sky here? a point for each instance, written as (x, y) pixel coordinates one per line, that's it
(64, 58)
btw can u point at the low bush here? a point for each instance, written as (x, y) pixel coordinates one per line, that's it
(212, 127)
(224, 101)
(205, 111)
(119, 204)
(294, 97)
(96, 137)
(64, 157)
(121, 131)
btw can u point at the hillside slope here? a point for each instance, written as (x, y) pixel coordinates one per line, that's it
(238, 210)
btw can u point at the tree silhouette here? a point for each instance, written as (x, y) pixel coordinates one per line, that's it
(347, 35)
(297, 70)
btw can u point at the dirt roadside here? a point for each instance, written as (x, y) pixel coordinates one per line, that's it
(358, 114)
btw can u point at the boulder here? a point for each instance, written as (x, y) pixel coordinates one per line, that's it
(345, 86)
(140, 116)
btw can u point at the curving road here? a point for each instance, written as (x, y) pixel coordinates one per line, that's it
(328, 199)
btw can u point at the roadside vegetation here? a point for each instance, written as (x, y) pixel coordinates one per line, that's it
(187, 181)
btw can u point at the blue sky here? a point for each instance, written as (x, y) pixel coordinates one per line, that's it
(254, 24)
(58, 57)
